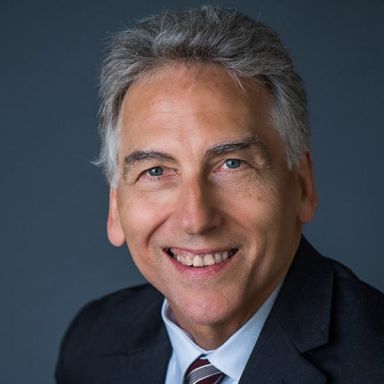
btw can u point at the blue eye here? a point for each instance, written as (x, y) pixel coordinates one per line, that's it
(232, 163)
(155, 171)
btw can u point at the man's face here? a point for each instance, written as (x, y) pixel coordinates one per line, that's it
(204, 181)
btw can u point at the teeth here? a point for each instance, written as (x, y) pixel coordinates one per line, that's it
(188, 260)
(209, 260)
(200, 260)
(218, 257)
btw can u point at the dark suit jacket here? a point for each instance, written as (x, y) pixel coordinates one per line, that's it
(326, 327)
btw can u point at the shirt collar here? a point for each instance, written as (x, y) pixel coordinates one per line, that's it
(232, 356)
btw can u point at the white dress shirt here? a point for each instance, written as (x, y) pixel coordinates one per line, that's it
(230, 358)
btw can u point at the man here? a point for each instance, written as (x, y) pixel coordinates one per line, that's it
(205, 146)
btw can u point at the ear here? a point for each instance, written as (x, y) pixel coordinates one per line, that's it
(114, 229)
(308, 196)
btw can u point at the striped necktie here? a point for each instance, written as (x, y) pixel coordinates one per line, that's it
(201, 371)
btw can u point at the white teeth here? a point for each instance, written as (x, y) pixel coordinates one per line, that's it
(188, 260)
(201, 260)
(209, 260)
(198, 261)
(218, 257)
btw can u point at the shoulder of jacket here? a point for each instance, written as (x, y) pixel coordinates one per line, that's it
(102, 322)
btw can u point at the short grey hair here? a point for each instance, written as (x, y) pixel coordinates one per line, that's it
(246, 48)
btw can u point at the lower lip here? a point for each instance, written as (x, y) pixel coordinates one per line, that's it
(201, 272)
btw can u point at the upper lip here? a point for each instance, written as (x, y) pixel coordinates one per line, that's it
(200, 251)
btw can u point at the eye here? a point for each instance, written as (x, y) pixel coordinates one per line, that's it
(155, 171)
(232, 163)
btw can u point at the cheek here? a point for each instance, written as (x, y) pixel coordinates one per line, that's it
(256, 206)
(139, 219)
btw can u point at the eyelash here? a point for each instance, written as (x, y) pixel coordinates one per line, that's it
(240, 163)
(154, 168)
(146, 173)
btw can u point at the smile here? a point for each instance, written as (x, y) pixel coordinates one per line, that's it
(192, 259)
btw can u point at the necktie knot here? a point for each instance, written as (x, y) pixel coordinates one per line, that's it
(201, 371)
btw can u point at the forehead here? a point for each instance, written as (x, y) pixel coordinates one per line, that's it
(181, 82)
(198, 104)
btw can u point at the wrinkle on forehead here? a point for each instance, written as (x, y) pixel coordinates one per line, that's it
(189, 75)
(164, 95)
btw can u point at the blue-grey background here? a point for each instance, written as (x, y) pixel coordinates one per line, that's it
(54, 254)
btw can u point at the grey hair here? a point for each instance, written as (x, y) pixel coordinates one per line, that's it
(246, 48)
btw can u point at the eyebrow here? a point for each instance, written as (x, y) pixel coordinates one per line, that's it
(142, 155)
(219, 149)
(238, 145)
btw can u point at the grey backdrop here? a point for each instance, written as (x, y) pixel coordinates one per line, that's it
(54, 252)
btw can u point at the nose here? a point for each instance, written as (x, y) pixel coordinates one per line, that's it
(197, 209)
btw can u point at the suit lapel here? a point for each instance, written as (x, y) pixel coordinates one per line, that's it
(140, 350)
(298, 323)
(276, 360)
(147, 362)
(146, 366)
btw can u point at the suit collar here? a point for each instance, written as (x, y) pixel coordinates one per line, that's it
(141, 348)
(144, 366)
(148, 361)
(275, 360)
(298, 323)
(305, 301)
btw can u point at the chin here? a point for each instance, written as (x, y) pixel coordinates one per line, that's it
(207, 310)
